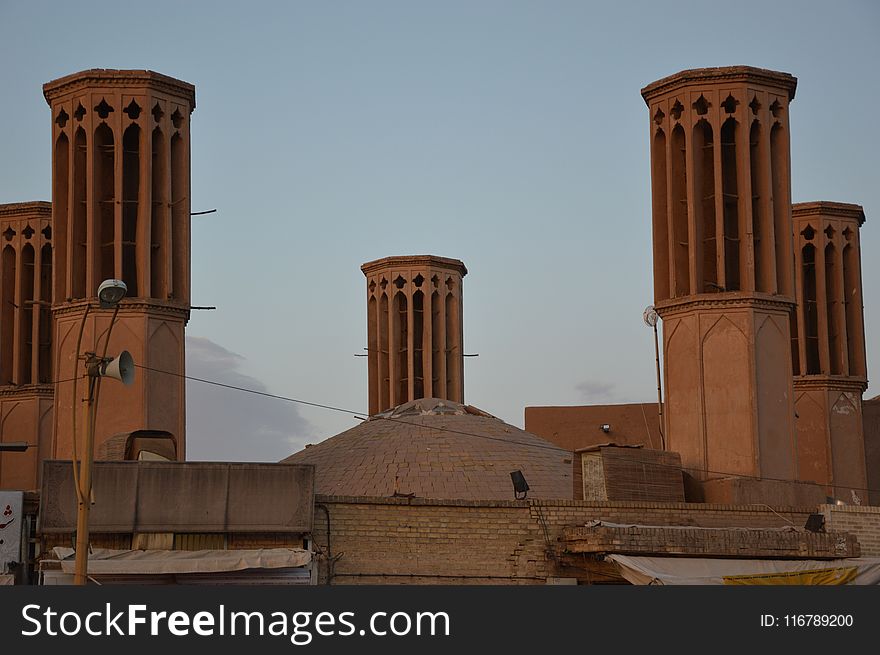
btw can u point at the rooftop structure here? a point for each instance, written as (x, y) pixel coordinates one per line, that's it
(433, 448)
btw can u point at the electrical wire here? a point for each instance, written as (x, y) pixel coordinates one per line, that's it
(358, 415)
(363, 417)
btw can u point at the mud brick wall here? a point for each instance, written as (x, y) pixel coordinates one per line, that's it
(421, 541)
(862, 521)
(710, 542)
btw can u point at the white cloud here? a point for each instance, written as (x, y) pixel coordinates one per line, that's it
(596, 392)
(230, 425)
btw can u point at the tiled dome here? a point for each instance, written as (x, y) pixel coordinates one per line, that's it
(433, 448)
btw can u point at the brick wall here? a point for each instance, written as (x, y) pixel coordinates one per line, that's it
(862, 521)
(711, 542)
(418, 541)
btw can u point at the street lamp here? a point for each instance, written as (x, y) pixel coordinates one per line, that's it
(110, 292)
(650, 317)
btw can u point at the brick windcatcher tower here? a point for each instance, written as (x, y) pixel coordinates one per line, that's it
(121, 209)
(723, 267)
(828, 347)
(414, 330)
(25, 339)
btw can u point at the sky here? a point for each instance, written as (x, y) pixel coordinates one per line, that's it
(510, 135)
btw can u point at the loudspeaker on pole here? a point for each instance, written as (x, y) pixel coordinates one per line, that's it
(121, 368)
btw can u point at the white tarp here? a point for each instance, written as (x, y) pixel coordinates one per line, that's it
(103, 561)
(705, 571)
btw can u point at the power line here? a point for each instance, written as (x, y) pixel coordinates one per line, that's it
(254, 391)
(363, 417)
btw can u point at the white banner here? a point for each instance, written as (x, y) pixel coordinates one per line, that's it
(11, 522)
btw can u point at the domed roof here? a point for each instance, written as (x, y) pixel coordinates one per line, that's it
(432, 448)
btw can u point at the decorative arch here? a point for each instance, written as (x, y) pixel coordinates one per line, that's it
(438, 361)
(104, 162)
(762, 230)
(78, 248)
(781, 203)
(418, 332)
(60, 196)
(373, 329)
(159, 218)
(704, 184)
(661, 216)
(384, 373)
(7, 313)
(730, 192)
(401, 329)
(680, 238)
(810, 309)
(832, 305)
(26, 308)
(179, 219)
(131, 174)
(44, 354)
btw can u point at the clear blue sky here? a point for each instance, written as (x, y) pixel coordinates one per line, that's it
(510, 135)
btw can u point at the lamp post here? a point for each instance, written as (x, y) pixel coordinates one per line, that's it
(650, 317)
(110, 292)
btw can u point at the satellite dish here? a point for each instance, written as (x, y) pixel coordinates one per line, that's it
(121, 368)
(650, 316)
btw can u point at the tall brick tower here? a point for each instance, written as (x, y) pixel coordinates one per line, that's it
(120, 208)
(25, 339)
(723, 267)
(414, 329)
(828, 347)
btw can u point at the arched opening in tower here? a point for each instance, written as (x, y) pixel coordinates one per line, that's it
(418, 329)
(853, 311)
(44, 356)
(762, 232)
(832, 301)
(661, 218)
(60, 193)
(26, 315)
(811, 312)
(453, 376)
(384, 376)
(78, 250)
(105, 221)
(732, 281)
(681, 252)
(179, 219)
(373, 352)
(7, 315)
(704, 183)
(401, 317)
(159, 218)
(781, 207)
(438, 346)
(131, 158)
